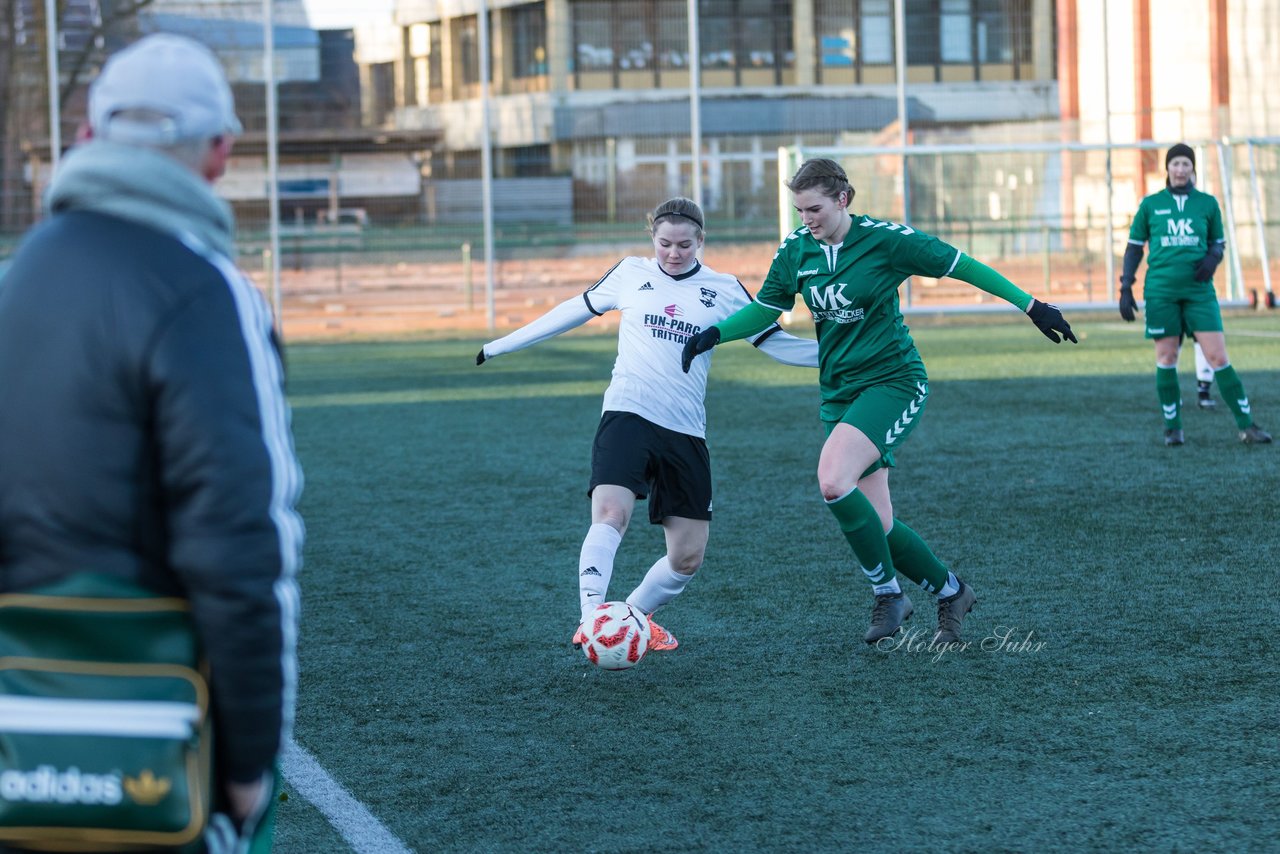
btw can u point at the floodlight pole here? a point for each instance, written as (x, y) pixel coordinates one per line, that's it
(900, 60)
(1258, 218)
(486, 165)
(273, 161)
(1109, 242)
(55, 107)
(695, 102)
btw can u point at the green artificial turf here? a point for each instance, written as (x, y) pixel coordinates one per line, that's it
(1119, 690)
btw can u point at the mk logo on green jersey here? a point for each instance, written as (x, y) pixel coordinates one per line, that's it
(1181, 228)
(832, 296)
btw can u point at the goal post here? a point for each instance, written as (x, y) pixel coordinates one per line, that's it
(1037, 211)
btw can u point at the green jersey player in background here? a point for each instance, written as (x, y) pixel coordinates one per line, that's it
(874, 388)
(1184, 228)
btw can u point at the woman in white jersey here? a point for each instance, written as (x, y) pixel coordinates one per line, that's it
(651, 442)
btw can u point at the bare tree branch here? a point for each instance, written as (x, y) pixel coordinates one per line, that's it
(127, 12)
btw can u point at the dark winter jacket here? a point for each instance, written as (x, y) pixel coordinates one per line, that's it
(143, 427)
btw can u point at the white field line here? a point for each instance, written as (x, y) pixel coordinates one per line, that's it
(352, 819)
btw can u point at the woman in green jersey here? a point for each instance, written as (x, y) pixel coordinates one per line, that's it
(874, 388)
(1184, 228)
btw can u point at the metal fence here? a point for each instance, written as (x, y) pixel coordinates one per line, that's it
(469, 171)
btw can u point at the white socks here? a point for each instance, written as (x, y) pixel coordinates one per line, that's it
(661, 584)
(890, 587)
(595, 565)
(951, 588)
(1204, 371)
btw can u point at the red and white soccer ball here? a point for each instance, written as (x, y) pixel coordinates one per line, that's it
(617, 636)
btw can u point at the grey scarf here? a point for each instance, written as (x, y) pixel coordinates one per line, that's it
(143, 186)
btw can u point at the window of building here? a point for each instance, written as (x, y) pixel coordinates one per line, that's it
(956, 31)
(673, 34)
(652, 35)
(995, 31)
(941, 34)
(528, 25)
(466, 46)
(876, 26)
(715, 33)
(834, 22)
(529, 161)
(593, 35)
(435, 58)
(634, 40)
(762, 45)
(921, 19)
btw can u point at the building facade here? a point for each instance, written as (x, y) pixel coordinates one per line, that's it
(600, 90)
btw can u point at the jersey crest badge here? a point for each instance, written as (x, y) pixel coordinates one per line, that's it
(708, 297)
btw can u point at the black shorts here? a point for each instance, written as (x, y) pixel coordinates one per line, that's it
(672, 470)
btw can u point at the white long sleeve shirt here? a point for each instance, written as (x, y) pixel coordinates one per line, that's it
(659, 313)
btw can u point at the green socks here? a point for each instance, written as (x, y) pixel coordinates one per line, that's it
(1171, 396)
(1233, 393)
(861, 527)
(880, 555)
(913, 558)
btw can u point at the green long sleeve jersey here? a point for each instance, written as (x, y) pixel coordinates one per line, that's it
(852, 292)
(1178, 228)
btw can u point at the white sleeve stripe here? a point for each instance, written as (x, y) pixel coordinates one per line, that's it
(954, 262)
(267, 374)
(1133, 242)
(773, 307)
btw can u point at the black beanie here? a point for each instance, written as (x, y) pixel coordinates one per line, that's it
(1180, 150)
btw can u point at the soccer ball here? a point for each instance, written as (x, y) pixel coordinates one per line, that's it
(617, 636)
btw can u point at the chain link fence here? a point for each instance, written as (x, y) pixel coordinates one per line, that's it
(598, 110)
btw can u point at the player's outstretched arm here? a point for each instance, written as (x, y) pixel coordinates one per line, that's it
(743, 323)
(569, 314)
(782, 346)
(1047, 318)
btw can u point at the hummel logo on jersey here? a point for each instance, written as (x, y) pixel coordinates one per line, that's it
(803, 273)
(591, 570)
(708, 297)
(674, 310)
(646, 287)
(1164, 212)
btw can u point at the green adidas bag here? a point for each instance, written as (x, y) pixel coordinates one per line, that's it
(105, 737)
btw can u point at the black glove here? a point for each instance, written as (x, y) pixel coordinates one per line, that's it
(698, 344)
(1050, 321)
(1206, 267)
(1128, 305)
(480, 357)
